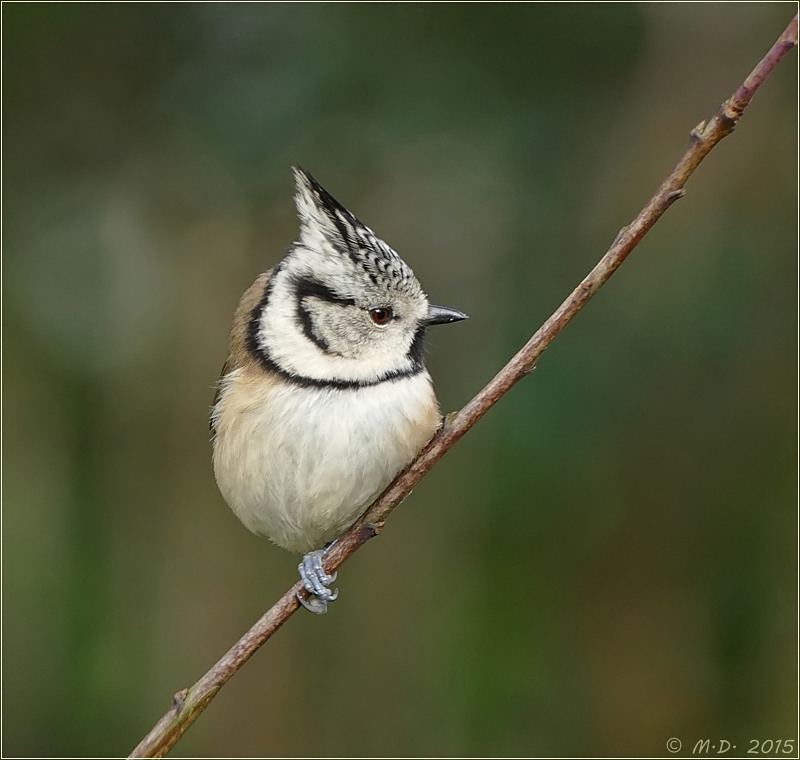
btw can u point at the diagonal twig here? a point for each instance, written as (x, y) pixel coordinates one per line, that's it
(189, 703)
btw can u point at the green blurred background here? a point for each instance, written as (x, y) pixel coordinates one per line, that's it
(606, 561)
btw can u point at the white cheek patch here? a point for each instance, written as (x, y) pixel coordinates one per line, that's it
(283, 341)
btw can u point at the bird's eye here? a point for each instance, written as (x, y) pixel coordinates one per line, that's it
(380, 316)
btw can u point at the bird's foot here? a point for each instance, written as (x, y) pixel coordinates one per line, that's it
(316, 582)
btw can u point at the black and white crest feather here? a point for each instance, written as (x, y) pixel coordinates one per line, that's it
(321, 214)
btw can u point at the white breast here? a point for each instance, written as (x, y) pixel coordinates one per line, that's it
(299, 465)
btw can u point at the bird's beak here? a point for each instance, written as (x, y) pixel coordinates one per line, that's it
(441, 315)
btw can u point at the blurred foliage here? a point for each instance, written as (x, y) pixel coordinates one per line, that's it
(608, 560)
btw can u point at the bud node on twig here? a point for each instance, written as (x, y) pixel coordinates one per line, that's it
(697, 134)
(178, 698)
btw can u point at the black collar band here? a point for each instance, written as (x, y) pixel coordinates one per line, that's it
(302, 381)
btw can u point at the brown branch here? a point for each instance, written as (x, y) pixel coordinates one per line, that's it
(189, 703)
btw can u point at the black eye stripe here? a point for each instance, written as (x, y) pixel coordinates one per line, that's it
(307, 287)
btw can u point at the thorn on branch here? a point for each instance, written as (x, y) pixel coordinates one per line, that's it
(674, 195)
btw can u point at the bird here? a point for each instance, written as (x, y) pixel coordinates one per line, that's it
(324, 396)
